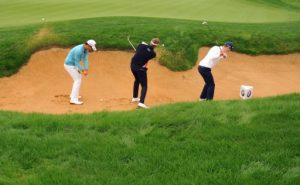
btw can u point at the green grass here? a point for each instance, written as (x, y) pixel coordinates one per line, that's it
(20, 12)
(182, 38)
(213, 143)
(286, 4)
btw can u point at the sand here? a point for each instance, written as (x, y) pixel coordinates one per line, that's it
(44, 86)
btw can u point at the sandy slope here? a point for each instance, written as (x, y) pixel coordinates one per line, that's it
(43, 85)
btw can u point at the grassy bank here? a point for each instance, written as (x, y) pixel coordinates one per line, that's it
(182, 38)
(229, 142)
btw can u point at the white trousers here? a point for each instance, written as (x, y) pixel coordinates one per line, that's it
(76, 76)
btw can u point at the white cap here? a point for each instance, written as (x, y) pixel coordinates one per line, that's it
(92, 43)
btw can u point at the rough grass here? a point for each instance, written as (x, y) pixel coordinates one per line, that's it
(182, 38)
(213, 143)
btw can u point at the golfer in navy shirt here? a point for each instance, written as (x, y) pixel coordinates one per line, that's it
(139, 62)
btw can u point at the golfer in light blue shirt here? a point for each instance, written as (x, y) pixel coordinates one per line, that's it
(74, 68)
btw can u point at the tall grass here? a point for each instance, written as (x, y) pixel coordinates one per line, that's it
(182, 38)
(213, 143)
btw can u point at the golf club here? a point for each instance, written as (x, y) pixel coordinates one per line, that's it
(128, 38)
(211, 32)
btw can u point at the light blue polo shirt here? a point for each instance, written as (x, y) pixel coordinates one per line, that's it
(76, 55)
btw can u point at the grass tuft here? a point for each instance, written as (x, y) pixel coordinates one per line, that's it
(225, 142)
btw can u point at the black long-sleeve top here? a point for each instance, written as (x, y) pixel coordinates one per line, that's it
(143, 54)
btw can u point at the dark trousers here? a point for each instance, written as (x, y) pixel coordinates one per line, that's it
(209, 87)
(140, 76)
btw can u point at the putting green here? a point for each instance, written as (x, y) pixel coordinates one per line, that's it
(20, 12)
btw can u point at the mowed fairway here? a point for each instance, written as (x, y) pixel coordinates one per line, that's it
(20, 12)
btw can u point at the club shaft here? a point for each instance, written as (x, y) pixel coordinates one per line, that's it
(131, 43)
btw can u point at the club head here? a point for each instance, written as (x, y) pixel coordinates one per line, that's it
(204, 22)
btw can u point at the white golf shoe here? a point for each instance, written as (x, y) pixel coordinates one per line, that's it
(141, 105)
(133, 100)
(76, 102)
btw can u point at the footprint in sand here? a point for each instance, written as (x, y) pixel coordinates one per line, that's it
(61, 98)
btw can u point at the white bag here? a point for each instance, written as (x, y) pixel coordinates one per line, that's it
(246, 92)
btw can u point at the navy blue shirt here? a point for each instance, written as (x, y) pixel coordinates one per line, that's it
(143, 54)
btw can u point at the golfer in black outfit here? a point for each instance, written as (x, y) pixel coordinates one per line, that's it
(139, 61)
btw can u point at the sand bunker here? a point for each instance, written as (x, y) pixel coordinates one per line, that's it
(44, 86)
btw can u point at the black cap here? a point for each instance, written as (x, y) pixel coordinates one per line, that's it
(229, 44)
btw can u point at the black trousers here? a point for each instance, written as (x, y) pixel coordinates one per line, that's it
(140, 76)
(209, 87)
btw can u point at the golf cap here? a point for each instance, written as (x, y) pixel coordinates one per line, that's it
(155, 42)
(92, 43)
(229, 44)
